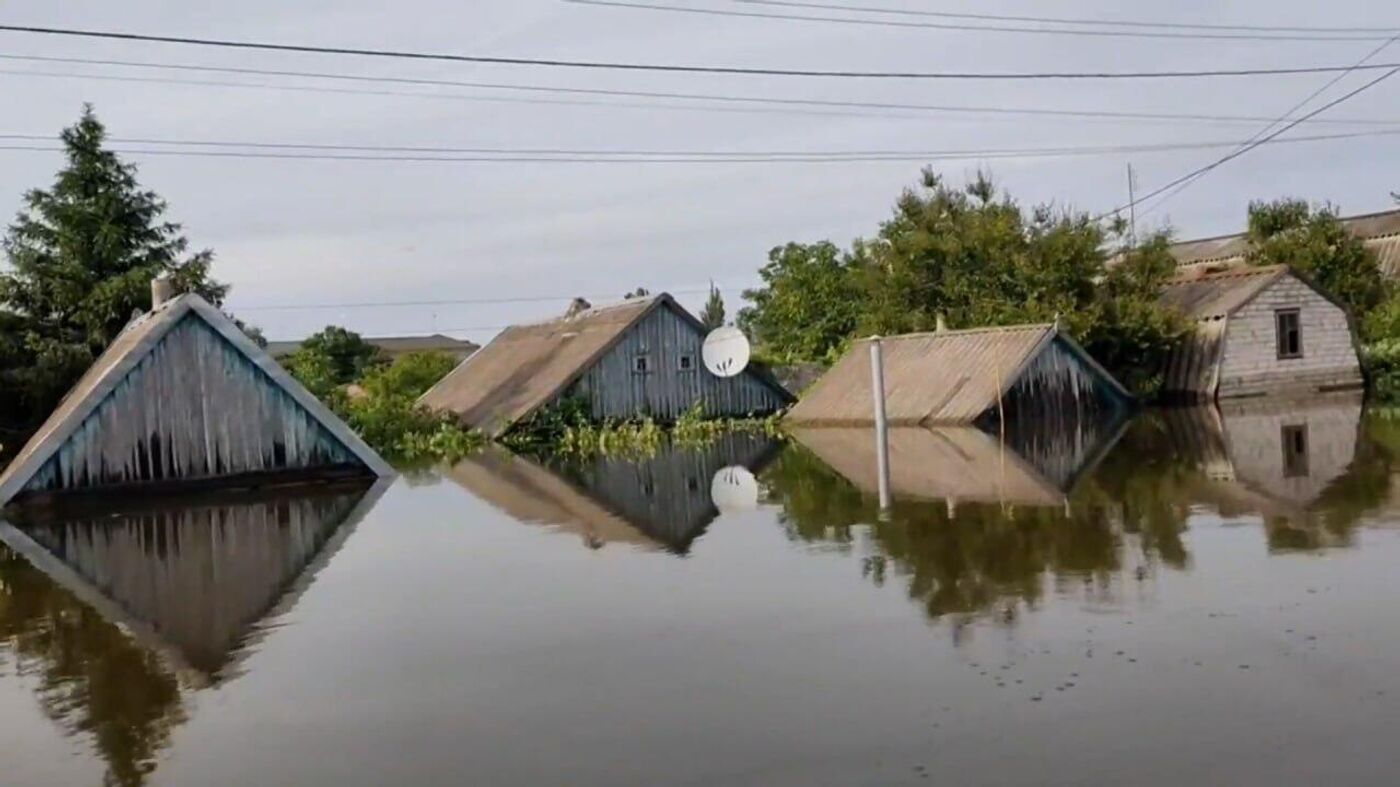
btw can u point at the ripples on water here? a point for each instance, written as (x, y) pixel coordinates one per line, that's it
(1195, 595)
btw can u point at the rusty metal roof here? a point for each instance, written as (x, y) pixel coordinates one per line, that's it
(946, 377)
(1215, 295)
(935, 463)
(1380, 230)
(527, 365)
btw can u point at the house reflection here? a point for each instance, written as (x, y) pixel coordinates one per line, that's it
(1293, 463)
(121, 607)
(661, 502)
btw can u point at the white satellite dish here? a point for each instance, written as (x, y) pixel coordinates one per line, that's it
(725, 352)
(734, 489)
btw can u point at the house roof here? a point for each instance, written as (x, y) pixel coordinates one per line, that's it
(126, 351)
(1214, 295)
(946, 377)
(395, 344)
(526, 366)
(935, 463)
(1380, 231)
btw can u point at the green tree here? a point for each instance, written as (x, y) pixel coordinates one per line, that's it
(410, 375)
(809, 305)
(339, 355)
(82, 254)
(713, 313)
(1314, 241)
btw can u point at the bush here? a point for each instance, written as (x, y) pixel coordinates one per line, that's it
(1382, 363)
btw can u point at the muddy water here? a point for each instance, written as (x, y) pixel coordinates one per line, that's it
(1204, 597)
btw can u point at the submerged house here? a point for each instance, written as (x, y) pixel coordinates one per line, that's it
(640, 357)
(661, 502)
(1025, 374)
(1380, 232)
(1259, 331)
(184, 398)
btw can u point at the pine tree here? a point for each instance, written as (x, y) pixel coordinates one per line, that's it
(82, 255)
(713, 313)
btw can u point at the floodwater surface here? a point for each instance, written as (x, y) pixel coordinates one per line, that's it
(1197, 597)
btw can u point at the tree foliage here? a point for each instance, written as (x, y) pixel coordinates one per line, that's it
(1315, 242)
(974, 257)
(334, 356)
(82, 254)
(713, 313)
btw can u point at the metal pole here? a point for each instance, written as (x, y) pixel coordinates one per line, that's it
(882, 432)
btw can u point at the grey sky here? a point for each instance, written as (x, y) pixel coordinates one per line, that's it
(297, 232)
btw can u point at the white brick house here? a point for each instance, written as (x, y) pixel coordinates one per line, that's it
(1260, 331)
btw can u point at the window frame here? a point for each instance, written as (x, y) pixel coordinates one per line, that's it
(1294, 438)
(641, 363)
(1281, 335)
(682, 360)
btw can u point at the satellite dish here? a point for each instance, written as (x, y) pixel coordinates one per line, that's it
(734, 489)
(725, 352)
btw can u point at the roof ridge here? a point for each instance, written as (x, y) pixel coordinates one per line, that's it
(1238, 272)
(1028, 327)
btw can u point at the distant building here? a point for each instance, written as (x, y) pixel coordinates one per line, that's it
(1259, 331)
(640, 357)
(1379, 231)
(1032, 374)
(394, 346)
(183, 398)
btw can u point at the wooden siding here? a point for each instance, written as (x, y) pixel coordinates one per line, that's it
(614, 389)
(194, 408)
(1056, 393)
(1251, 366)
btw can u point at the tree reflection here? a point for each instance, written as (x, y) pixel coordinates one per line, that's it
(91, 678)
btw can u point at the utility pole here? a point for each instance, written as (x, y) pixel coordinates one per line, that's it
(1132, 206)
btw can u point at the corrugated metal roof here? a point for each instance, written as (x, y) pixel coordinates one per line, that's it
(1193, 367)
(1229, 249)
(937, 463)
(1387, 250)
(527, 365)
(1217, 295)
(132, 345)
(947, 377)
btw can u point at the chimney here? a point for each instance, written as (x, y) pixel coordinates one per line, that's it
(941, 323)
(162, 290)
(578, 305)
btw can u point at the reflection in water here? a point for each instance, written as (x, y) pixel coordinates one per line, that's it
(981, 521)
(117, 607)
(662, 501)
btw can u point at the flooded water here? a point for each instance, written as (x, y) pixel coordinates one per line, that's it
(1195, 597)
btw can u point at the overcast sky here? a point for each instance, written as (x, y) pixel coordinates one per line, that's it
(310, 232)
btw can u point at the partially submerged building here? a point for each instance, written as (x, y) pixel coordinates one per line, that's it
(1379, 231)
(183, 398)
(640, 357)
(661, 502)
(1259, 331)
(1032, 374)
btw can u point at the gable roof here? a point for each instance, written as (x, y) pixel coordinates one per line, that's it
(1380, 231)
(526, 366)
(946, 377)
(1216, 295)
(130, 347)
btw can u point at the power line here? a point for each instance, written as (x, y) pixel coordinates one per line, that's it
(666, 68)
(1286, 115)
(961, 27)
(459, 301)
(1114, 115)
(1262, 141)
(371, 153)
(1061, 20)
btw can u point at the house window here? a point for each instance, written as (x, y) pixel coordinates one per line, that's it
(641, 364)
(1295, 451)
(686, 363)
(1290, 333)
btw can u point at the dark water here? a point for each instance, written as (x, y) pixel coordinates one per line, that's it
(1202, 598)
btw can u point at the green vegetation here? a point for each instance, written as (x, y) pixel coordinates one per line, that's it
(568, 429)
(82, 254)
(713, 313)
(974, 257)
(379, 399)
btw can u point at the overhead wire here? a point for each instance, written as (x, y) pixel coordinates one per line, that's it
(963, 27)
(222, 43)
(777, 101)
